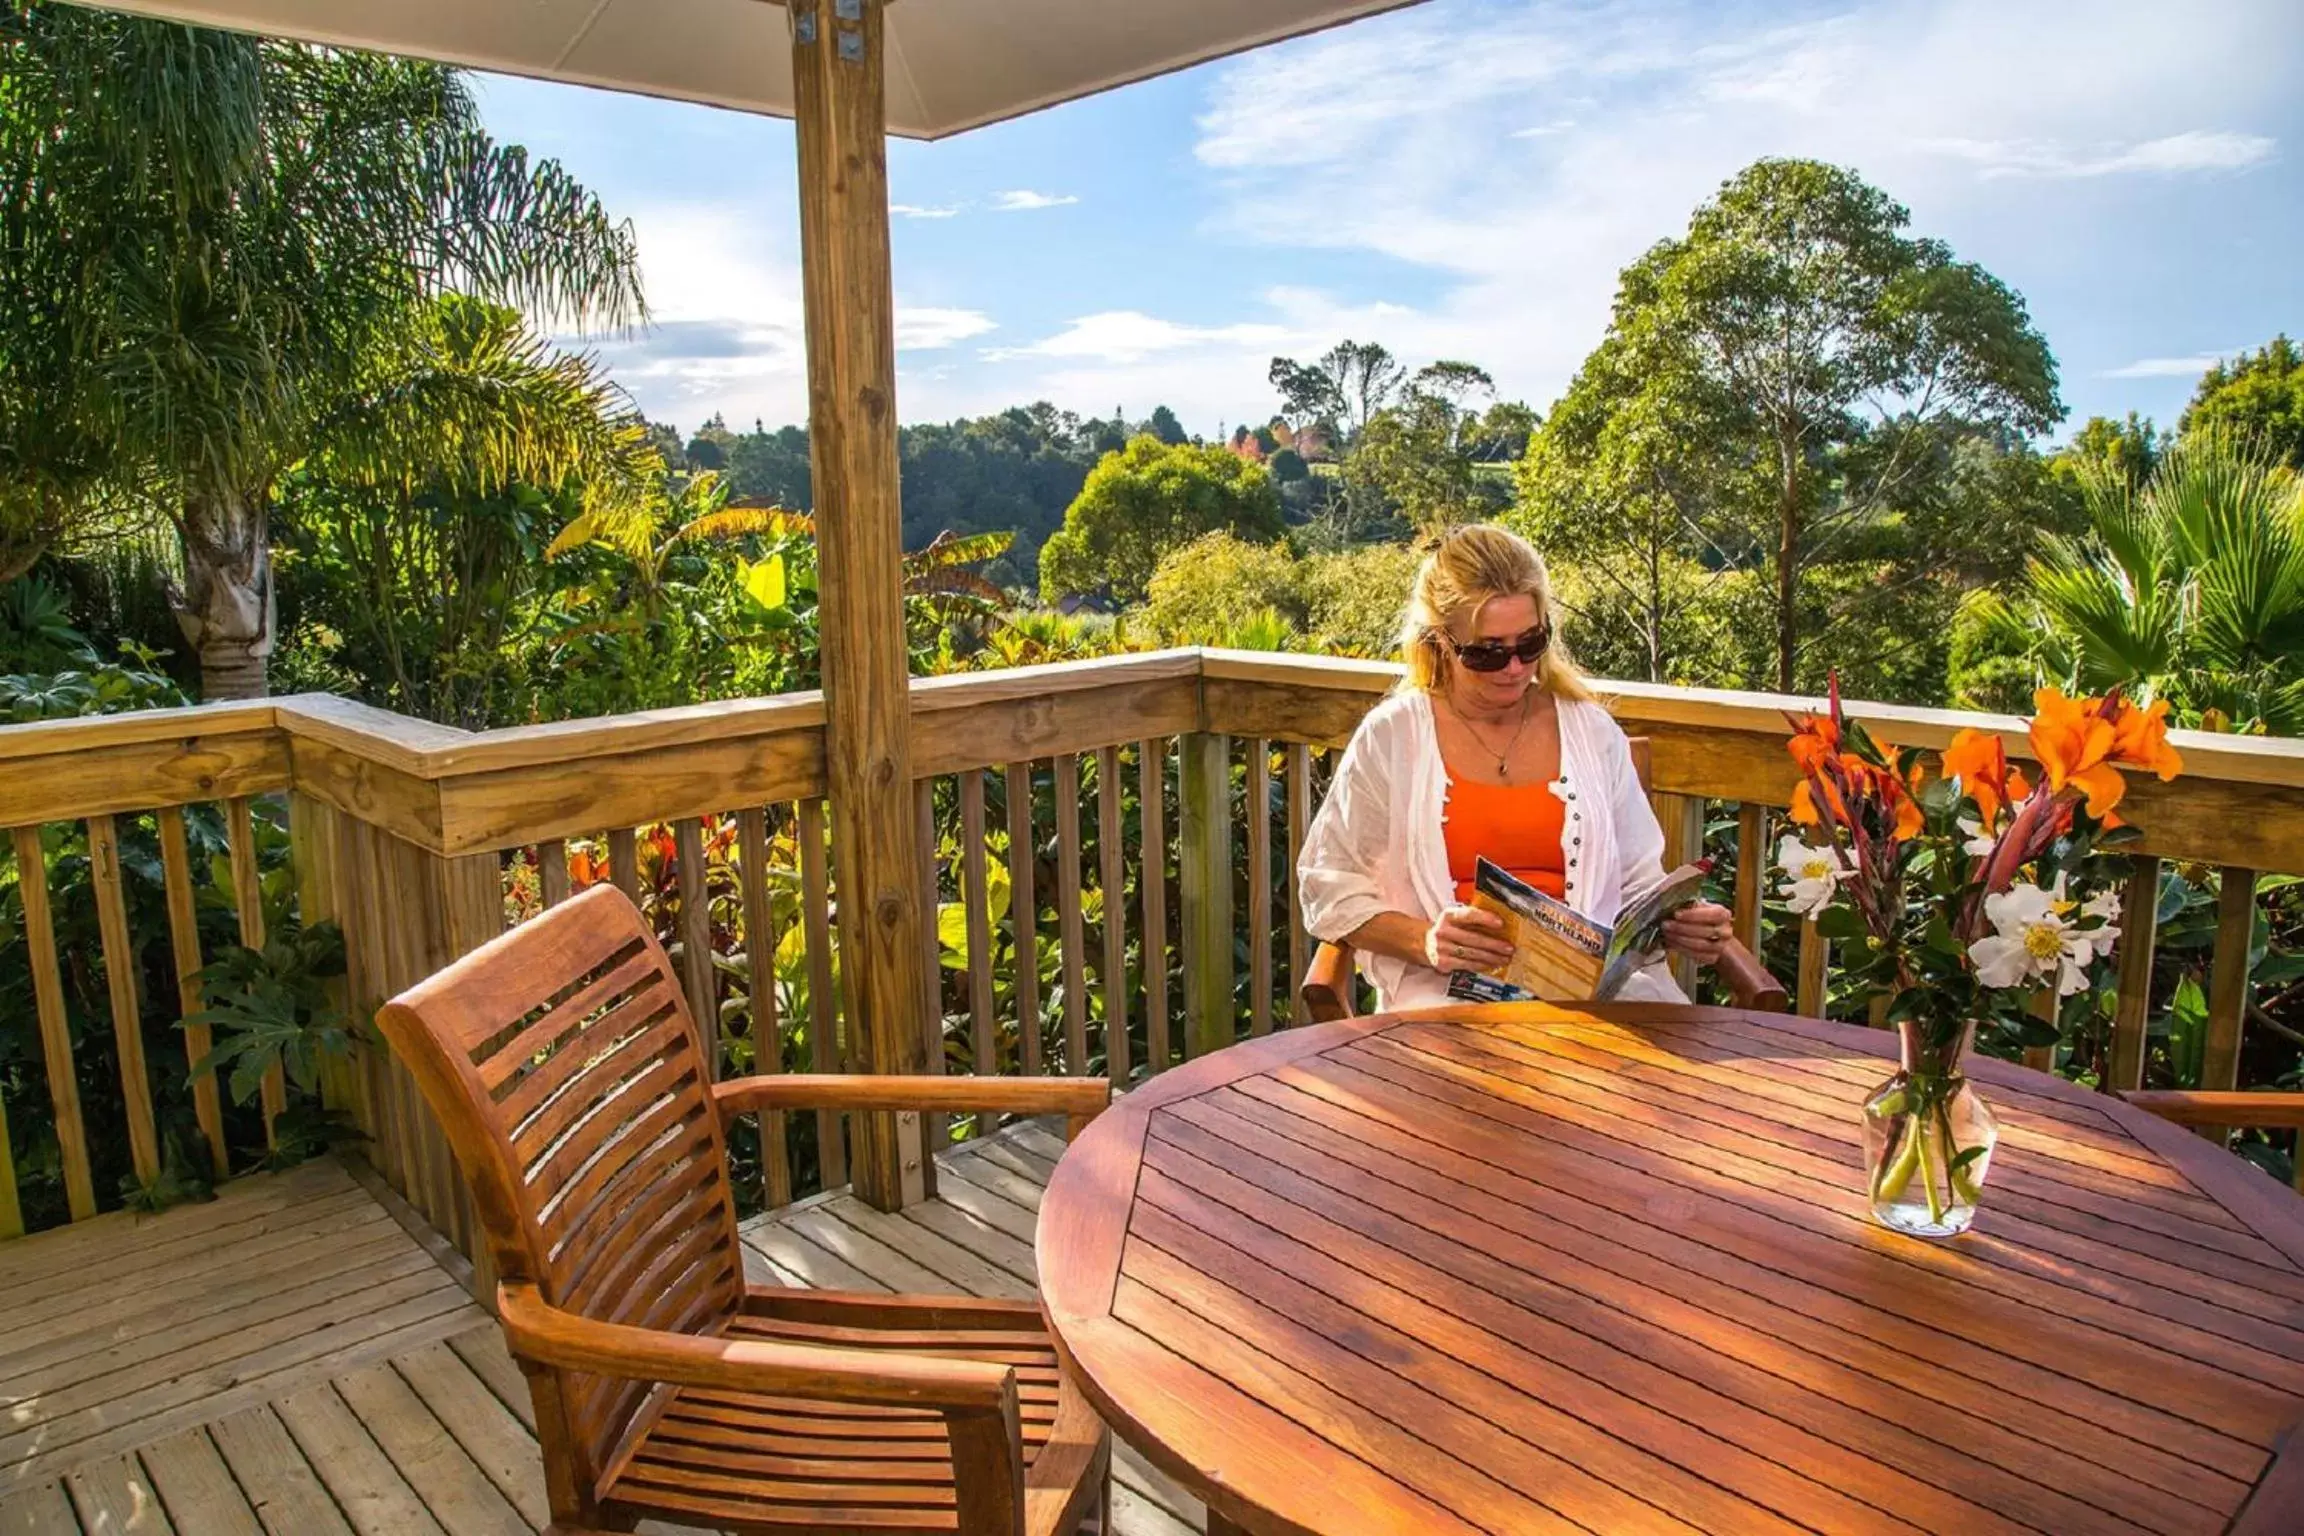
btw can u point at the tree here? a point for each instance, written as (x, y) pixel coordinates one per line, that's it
(1784, 389)
(1426, 455)
(1164, 426)
(2259, 396)
(2189, 586)
(1341, 390)
(418, 523)
(1147, 499)
(268, 215)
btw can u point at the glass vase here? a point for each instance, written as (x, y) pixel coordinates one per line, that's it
(1928, 1136)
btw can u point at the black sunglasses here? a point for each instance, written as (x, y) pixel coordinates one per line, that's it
(1496, 655)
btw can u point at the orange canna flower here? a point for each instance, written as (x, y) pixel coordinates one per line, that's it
(1815, 741)
(2140, 737)
(2073, 739)
(1979, 760)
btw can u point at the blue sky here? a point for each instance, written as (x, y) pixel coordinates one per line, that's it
(1465, 179)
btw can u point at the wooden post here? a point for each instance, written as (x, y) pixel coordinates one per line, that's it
(2228, 985)
(2139, 933)
(1204, 854)
(1682, 818)
(849, 297)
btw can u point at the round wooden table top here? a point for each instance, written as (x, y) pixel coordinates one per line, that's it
(1612, 1270)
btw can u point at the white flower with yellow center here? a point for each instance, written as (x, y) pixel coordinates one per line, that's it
(1980, 842)
(2034, 940)
(1812, 876)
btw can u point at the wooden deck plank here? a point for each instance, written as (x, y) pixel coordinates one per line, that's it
(42, 1511)
(498, 1443)
(202, 1497)
(287, 1495)
(457, 1492)
(63, 1250)
(369, 1490)
(113, 1497)
(204, 1386)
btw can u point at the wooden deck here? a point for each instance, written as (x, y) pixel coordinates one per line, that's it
(289, 1361)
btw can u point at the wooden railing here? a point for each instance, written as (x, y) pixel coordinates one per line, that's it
(1146, 806)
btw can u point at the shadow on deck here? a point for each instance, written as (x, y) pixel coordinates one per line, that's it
(288, 1360)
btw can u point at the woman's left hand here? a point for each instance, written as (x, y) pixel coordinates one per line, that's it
(1700, 930)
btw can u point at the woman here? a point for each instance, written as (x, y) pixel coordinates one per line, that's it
(1492, 747)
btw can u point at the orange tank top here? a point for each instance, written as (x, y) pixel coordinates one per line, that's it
(1515, 825)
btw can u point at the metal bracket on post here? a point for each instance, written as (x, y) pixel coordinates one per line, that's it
(804, 25)
(851, 37)
(912, 1145)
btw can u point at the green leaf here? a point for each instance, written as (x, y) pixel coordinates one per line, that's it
(765, 583)
(1840, 923)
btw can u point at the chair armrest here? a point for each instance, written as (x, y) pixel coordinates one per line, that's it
(1078, 1099)
(1327, 988)
(1748, 982)
(977, 1398)
(2260, 1111)
(881, 1378)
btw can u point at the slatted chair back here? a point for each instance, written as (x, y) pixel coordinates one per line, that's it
(567, 1074)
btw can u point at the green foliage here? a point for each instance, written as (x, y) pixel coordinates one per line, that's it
(1790, 389)
(1145, 500)
(239, 232)
(274, 1007)
(1424, 455)
(2189, 585)
(2258, 399)
(1223, 590)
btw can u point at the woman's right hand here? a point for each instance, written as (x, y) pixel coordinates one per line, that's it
(1466, 939)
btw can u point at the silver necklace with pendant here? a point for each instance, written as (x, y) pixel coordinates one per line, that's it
(1503, 758)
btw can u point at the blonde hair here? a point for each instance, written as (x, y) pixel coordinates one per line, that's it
(1471, 566)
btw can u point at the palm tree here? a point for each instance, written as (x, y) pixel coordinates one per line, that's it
(236, 227)
(2189, 585)
(431, 488)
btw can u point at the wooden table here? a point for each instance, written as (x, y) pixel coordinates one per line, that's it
(1612, 1270)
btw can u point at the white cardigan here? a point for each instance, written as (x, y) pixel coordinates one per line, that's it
(1377, 844)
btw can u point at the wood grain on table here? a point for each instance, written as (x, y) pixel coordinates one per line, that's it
(1613, 1270)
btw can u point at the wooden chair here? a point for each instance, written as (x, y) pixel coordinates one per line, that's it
(567, 1073)
(1327, 986)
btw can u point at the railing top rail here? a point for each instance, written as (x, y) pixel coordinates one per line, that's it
(2207, 754)
(460, 791)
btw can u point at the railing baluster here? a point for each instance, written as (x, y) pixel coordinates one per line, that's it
(552, 870)
(760, 964)
(2228, 983)
(1259, 833)
(1751, 871)
(184, 945)
(120, 983)
(1072, 935)
(2139, 935)
(1682, 818)
(823, 1025)
(1024, 912)
(55, 1033)
(624, 862)
(917, 1177)
(248, 900)
(975, 892)
(1815, 961)
(1152, 887)
(1204, 855)
(11, 1208)
(1112, 875)
(1299, 777)
(696, 938)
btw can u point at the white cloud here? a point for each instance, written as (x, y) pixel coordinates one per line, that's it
(1022, 201)
(925, 330)
(916, 211)
(1127, 336)
(1427, 137)
(729, 332)
(2169, 367)
(2176, 154)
